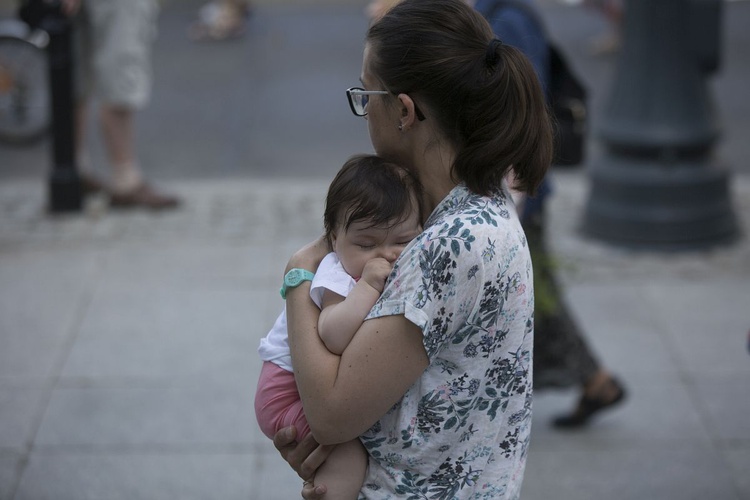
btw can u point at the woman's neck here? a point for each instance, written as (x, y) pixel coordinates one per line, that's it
(433, 168)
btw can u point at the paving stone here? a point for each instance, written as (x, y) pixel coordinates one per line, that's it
(212, 414)
(692, 473)
(138, 475)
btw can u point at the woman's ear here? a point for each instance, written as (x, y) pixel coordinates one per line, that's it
(408, 112)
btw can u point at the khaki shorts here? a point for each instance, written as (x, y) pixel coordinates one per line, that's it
(113, 50)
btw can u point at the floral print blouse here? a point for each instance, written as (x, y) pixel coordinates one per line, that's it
(462, 430)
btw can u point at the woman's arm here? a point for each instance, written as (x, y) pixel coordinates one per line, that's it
(340, 317)
(343, 396)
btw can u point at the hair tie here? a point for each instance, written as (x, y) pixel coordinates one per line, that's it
(491, 57)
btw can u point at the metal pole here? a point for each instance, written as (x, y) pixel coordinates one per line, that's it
(64, 182)
(657, 185)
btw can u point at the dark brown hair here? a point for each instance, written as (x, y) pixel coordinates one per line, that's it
(484, 95)
(368, 188)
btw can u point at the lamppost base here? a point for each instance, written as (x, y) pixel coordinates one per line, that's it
(65, 193)
(655, 206)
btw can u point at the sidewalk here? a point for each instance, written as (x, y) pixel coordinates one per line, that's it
(127, 354)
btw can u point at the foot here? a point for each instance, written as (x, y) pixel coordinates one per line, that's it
(217, 21)
(143, 195)
(91, 184)
(606, 395)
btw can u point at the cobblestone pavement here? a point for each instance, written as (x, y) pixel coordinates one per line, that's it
(250, 209)
(585, 260)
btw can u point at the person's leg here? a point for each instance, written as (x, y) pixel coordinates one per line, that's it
(277, 402)
(562, 356)
(343, 472)
(116, 124)
(83, 79)
(122, 37)
(90, 182)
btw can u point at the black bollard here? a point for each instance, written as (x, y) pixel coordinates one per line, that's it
(65, 193)
(657, 184)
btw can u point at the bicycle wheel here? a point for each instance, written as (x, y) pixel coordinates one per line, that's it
(24, 91)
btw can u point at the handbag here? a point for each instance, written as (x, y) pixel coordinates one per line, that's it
(567, 100)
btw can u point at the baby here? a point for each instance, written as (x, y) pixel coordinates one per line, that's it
(372, 212)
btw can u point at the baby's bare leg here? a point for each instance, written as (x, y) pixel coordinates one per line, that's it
(343, 471)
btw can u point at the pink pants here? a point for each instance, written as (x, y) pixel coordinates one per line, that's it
(277, 402)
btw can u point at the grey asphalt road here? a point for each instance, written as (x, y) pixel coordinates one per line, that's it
(272, 103)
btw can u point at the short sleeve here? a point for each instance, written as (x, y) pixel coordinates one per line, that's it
(330, 276)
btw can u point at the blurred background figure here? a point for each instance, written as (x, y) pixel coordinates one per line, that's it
(610, 41)
(377, 8)
(562, 357)
(612, 11)
(220, 20)
(113, 64)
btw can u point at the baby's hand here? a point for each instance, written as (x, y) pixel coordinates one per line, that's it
(375, 273)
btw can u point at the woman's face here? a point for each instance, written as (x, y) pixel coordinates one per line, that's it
(382, 114)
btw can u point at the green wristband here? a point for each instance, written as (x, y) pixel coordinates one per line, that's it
(294, 278)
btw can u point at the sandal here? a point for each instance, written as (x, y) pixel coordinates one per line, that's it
(588, 407)
(143, 195)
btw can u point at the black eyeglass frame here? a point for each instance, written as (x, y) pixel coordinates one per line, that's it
(360, 91)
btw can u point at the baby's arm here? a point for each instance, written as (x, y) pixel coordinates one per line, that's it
(340, 317)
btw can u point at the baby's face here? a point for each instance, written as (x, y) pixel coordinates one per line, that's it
(362, 243)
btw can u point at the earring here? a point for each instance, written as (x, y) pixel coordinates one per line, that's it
(400, 127)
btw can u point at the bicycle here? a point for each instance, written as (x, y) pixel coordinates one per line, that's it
(25, 112)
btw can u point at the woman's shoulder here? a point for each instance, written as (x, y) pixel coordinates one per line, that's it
(463, 210)
(470, 232)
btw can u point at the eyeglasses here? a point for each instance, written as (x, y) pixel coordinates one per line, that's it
(359, 97)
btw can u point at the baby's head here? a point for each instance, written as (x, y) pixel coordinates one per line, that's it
(372, 210)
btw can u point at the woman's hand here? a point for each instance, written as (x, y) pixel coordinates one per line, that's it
(304, 457)
(312, 491)
(309, 256)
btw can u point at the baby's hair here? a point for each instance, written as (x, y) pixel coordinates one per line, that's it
(369, 188)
